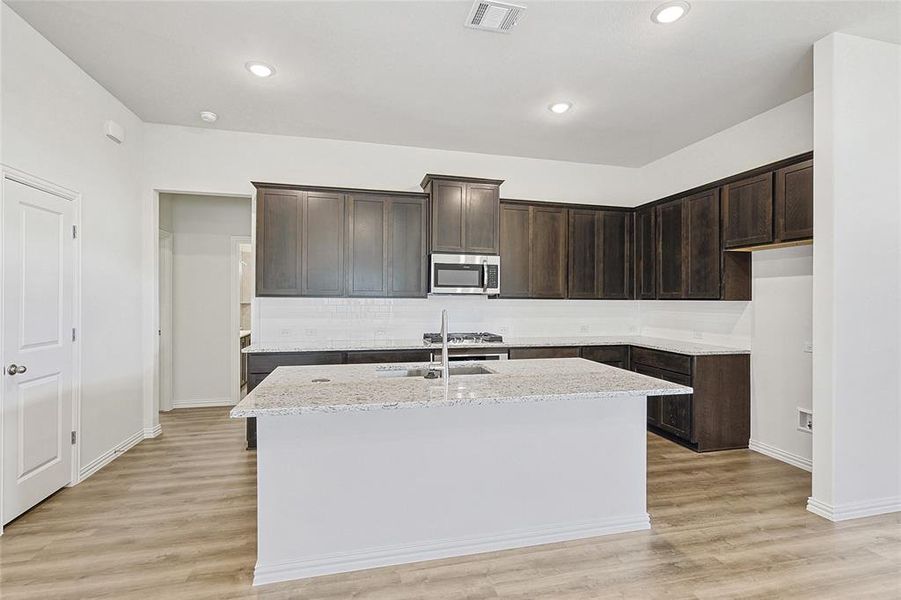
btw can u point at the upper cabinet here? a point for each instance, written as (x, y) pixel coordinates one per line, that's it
(600, 256)
(775, 207)
(533, 250)
(323, 242)
(748, 210)
(702, 245)
(645, 253)
(671, 233)
(794, 202)
(465, 213)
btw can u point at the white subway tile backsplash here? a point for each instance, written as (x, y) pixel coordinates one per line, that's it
(301, 319)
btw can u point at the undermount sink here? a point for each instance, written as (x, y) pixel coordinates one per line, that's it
(436, 373)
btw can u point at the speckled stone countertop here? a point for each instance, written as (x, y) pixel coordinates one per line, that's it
(293, 391)
(676, 346)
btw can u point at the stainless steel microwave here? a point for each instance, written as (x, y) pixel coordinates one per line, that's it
(465, 274)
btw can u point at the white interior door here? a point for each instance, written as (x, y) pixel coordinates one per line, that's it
(37, 347)
(165, 325)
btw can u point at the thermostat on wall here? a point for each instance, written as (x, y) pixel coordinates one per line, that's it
(114, 131)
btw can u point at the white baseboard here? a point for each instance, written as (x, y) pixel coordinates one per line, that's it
(431, 550)
(110, 455)
(202, 402)
(152, 432)
(787, 457)
(854, 510)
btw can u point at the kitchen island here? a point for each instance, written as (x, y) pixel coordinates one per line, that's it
(369, 465)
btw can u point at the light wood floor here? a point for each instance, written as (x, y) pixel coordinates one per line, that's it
(176, 518)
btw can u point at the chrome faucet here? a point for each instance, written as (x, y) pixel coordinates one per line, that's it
(445, 364)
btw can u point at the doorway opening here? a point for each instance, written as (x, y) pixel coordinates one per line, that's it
(199, 302)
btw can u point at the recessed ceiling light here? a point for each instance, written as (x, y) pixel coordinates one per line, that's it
(670, 12)
(209, 116)
(560, 107)
(260, 69)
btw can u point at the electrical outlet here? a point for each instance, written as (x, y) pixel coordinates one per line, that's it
(309, 332)
(805, 420)
(380, 333)
(503, 330)
(807, 347)
(633, 329)
(583, 329)
(698, 335)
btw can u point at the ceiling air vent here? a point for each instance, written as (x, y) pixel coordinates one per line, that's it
(489, 15)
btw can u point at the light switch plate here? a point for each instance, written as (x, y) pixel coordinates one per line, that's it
(808, 347)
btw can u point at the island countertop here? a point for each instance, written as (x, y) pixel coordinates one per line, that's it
(336, 388)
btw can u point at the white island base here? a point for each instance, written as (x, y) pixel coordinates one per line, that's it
(348, 490)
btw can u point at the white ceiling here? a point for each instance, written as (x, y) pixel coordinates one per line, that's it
(410, 73)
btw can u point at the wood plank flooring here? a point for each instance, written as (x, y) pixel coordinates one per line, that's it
(175, 518)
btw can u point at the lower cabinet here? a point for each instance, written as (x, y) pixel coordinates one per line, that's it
(615, 356)
(545, 352)
(717, 416)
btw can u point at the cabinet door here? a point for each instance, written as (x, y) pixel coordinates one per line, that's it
(584, 254)
(653, 401)
(278, 243)
(675, 415)
(548, 243)
(407, 257)
(794, 202)
(616, 258)
(645, 259)
(703, 245)
(448, 216)
(323, 244)
(367, 246)
(480, 219)
(515, 253)
(671, 224)
(748, 211)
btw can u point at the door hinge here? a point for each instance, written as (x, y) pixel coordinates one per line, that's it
(74, 434)
(74, 232)
(73, 334)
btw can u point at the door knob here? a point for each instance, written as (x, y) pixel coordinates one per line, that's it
(16, 369)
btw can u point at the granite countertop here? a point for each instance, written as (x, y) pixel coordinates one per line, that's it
(666, 345)
(243, 332)
(292, 390)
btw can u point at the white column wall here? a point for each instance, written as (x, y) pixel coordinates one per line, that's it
(856, 317)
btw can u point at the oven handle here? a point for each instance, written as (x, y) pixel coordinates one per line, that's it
(485, 275)
(505, 355)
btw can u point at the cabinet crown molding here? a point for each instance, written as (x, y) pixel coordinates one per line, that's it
(429, 177)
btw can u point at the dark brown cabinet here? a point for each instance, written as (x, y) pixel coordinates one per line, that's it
(615, 356)
(533, 251)
(337, 242)
(794, 202)
(386, 246)
(645, 254)
(323, 244)
(748, 211)
(702, 242)
(545, 352)
(515, 253)
(278, 249)
(585, 254)
(548, 252)
(671, 230)
(407, 251)
(464, 214)
(600, 264)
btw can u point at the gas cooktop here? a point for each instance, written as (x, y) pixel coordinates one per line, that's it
(463, 338)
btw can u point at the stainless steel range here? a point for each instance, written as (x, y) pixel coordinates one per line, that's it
(468, 339)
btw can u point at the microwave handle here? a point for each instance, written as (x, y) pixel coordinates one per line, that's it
(484, 274)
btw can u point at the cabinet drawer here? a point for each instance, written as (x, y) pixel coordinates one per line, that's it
(391, 356)
(678, 363)
(548, 352)
(617, 356)
(267, 362)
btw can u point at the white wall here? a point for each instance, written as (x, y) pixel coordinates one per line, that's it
(856, 318)
(203, 348)
(52, 124)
